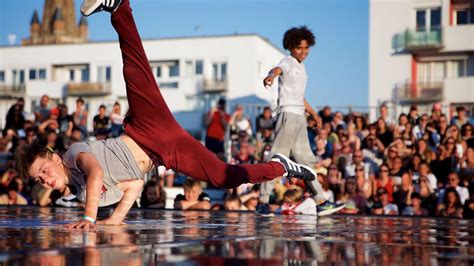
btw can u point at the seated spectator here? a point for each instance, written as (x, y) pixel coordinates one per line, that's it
(354, 140)
(414, 207)
(293, 204)
(428, 196)
(49, 197)
(453, 182)
(323, 158)
(265, 121)
(244, 156)
(326, 114)
(13, 196)
(363, 182)
(373, 151)
(424, 150)
(193, 198)
(444, 162)
(116, 121)
(358, 161)
(361, 127)
(100, 124)
(239, 122)
(467, 132)
(153, 196)
(383, 206)
(384, 134)
(233, 203)
(451, 205)
(328, 194)
(461, 118)
(351, 194)
(402, 192)
(338, 121)
(425, 171)
(466, 165)
(396, 170)
(385, 181)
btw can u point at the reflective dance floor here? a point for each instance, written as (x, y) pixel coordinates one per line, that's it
(32, 236)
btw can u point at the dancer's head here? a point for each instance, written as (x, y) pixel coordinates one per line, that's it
(298, 41)
(42, 164)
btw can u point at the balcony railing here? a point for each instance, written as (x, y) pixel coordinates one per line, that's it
(215, 86)
(88, 89)
(412, 40)
(408, 92)
(12, 91)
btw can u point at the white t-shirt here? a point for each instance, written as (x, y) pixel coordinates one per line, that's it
(291, 86)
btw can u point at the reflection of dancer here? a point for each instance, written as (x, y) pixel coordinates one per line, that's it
(291, 136)
(112, 170)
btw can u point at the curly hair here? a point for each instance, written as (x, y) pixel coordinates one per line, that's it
(294, 36)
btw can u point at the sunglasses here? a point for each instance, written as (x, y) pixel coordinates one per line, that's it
(359, 169)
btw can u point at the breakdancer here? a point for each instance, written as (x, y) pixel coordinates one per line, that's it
(105, 172)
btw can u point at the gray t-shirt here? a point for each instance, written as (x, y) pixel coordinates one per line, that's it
(116, 161)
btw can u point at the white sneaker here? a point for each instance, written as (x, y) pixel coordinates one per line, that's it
(90, 7)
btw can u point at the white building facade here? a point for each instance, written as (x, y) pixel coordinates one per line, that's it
(192, 73)
(421, 52)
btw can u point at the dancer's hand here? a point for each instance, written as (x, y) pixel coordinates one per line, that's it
(268, 81)
(84, 223)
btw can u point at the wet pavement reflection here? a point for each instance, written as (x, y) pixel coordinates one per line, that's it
(31, 235)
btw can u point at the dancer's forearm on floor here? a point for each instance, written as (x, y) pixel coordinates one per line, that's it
(129, 197)
(91, 167)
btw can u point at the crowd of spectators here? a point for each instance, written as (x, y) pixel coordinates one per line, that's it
(419, 165)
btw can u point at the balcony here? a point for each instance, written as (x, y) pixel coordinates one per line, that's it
(458, 38)
(88, 89)
(215, 86)
(412, 40)
(418, 93)
(12, 91)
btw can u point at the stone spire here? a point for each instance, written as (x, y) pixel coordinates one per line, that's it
(58, 25)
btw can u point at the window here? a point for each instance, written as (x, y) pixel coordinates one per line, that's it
(2, 76)
(71, 74)
(465, 17)
(42, 73)
(224, 71)
(85, 74)
(104, 74)
(421, 20)
(168, 85)
(22, 76)
(174, 69)
(32, 74)
(199, 67)
(219, 71)
(158, 71)
(435, 19)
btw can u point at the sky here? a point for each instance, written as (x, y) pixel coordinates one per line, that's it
(337, 65)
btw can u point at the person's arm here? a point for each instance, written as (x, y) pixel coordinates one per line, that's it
(209, 115)
(184, 204)
(131, 191)
(94, 174)
(70, 125)
(201, 205)
(313, 113)
(272, 74)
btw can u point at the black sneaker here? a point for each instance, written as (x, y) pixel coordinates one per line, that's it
(293, 169)
(264, 210)
(327, 208)
(90, 7)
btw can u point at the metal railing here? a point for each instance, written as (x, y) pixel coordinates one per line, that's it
(12, 91)
(211, 85)
(415, 40)
(88, 89)
(421, 92)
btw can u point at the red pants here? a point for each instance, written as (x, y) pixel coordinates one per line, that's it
(151, 124)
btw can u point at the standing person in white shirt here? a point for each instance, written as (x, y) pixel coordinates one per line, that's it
(291, 137)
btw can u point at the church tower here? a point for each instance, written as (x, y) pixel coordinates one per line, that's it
(58, 25)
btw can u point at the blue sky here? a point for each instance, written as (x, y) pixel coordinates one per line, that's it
(337, 66)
